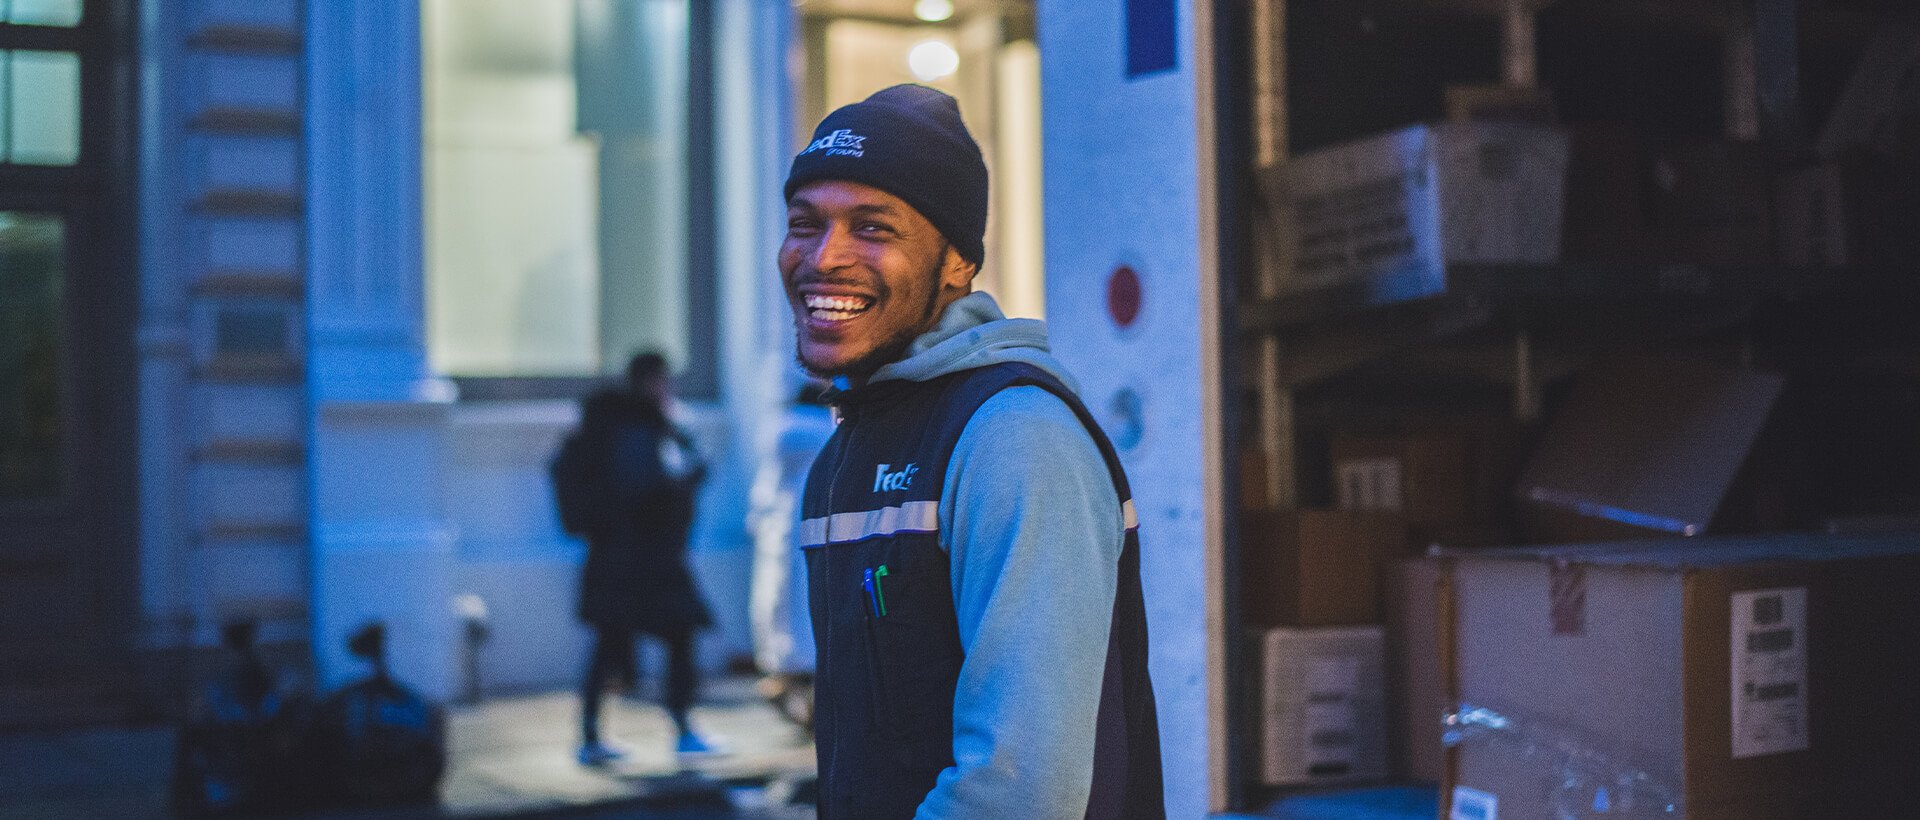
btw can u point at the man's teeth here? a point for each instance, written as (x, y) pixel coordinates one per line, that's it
(836, 308)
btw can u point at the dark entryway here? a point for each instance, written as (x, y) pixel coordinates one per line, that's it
(68, 386)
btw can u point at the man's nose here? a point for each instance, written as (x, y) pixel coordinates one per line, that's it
(834, 249)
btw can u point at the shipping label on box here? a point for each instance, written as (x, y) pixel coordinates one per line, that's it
(1769, 666)
(1473, 804)
(1371, 484)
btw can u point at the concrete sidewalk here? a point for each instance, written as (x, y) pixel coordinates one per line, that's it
(509, 757)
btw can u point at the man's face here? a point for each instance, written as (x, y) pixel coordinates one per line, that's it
(865, 274)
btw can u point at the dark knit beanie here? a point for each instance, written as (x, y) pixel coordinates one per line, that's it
(907, 140)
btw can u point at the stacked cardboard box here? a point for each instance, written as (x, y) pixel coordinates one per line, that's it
(1752, 677)
(1450, 481)
(1315, 567)
(1419, 630)
(1323, 706)
(1387, 214)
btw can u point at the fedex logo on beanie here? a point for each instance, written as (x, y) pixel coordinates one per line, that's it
(839, 143)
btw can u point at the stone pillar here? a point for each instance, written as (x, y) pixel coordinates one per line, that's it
(1129, 184)
(382, 546)
(751, 145)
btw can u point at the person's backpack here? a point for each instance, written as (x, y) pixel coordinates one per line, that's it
(377, 742)
(578, 489)
(230, 758)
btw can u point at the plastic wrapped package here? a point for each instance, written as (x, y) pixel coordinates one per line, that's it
(1584, 777)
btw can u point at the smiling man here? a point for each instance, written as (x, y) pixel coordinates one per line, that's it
(973, 567)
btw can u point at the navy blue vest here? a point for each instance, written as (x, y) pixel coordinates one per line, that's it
(882, 605)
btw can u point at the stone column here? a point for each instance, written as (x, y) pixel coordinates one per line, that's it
(382, 545)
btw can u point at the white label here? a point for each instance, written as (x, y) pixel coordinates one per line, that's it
(1474, 804)
(1769, 679)
(1333, 722)
(1369, 484)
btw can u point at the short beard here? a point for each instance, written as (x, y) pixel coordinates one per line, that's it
(893, 349)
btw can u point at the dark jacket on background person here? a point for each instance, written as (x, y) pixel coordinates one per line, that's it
(625, 482)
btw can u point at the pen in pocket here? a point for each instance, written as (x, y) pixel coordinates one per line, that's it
(876, 597)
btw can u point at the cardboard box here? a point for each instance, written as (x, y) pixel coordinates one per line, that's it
(1419, 631)
(1444, 479)
(1323, 706)
(1315, 567)
(1751, 677)
(1644, 446)
(1387, 214)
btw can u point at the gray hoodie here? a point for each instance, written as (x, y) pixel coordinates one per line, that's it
(1032, 527)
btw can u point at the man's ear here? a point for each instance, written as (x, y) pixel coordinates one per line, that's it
(956, 272)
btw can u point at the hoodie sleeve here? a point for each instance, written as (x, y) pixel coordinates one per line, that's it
(1034, 536)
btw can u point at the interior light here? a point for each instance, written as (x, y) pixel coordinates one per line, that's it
(933, 11)
(932, 59)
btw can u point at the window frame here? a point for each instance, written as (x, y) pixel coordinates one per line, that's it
(94, 198)
(93, 41)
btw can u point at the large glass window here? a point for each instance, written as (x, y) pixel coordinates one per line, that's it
(556, 196)
(32, 275)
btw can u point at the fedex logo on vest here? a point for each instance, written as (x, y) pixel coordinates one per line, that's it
(886, 482)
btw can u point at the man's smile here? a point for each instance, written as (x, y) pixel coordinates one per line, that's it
(828, 308)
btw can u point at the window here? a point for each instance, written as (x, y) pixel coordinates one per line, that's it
(40, 12)
(556, 170)
(50, 179)
(39, 87)
(40, 121)
(32, 275)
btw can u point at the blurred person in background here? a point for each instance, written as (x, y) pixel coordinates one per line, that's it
(782, 630)
(625, 482)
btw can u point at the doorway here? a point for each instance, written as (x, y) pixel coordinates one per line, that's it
(68, 296)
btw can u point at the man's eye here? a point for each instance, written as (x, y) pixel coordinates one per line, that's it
(799, 225)
(873, 229)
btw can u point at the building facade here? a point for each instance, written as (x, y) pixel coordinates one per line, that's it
(262, 377)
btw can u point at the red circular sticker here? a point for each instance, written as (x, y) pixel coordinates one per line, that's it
(1123, 296)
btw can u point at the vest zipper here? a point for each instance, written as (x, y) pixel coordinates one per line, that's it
(839, 467)
(879, 705)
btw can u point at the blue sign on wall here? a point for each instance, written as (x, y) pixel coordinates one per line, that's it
(1150, 37)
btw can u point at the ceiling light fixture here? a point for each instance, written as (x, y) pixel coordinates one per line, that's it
(933, 11)
(932, 59)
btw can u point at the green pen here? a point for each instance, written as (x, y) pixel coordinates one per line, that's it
(879, 597)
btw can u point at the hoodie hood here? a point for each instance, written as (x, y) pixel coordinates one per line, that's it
(974, 333)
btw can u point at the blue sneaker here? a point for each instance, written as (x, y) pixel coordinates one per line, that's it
(692, 744)
(599, 753)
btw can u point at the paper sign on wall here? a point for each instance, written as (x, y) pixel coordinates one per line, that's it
(1769, 680)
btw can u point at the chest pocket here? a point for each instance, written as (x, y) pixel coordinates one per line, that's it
(908, 638)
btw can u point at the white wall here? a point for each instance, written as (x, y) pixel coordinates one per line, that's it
(511, 552)
(1122, 161)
